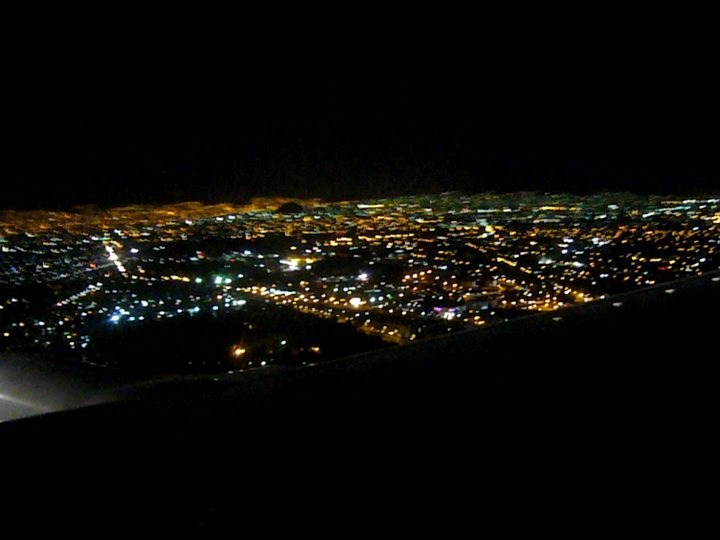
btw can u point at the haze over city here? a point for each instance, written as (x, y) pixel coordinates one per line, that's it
(352, 137)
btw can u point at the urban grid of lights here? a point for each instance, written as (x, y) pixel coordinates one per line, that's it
(402, 269)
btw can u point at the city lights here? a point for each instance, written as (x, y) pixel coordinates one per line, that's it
(400, 269)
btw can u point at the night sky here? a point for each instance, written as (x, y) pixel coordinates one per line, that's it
(115, 133)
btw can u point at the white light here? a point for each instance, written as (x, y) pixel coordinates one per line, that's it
(363, 276)
(617, 304)
(198, 280)
(355, 302)
(218, 280)
(669, 291)
(134, 250)
(115, 318)
(292, 264)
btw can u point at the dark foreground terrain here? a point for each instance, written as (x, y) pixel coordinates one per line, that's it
(579, 418)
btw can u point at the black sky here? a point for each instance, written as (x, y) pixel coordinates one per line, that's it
(111, 131)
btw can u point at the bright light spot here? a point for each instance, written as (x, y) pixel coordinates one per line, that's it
(355, 302)
(363, 277)
(617, 304)
(238, 352)
(218, 280)
(315, 349)
(669, 291)
(292, 264)
(198, 280)
(115, 318)
(134, 250)
(283, 342)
